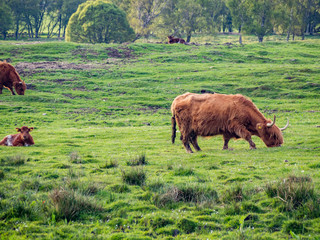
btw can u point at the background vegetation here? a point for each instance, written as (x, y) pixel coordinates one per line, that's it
(103, 165)
(22, 19)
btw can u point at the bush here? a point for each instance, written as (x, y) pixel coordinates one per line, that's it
(1, 174)
(99, 22)
(69, 204)
(135, 176)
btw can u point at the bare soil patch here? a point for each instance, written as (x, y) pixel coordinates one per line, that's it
(59, 65)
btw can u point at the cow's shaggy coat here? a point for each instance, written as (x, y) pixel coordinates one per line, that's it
(233, 116)
(9, 78)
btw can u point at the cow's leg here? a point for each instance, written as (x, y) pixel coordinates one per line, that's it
(11, 90)
(1, 87)
(245, 134)
(185, 141)
(226, 141)
(194, 142)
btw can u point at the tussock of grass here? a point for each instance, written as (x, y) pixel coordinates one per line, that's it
(193, 193)
(183, 171)
(16, 160)
(110, 164)
(140, 160)
(75, 158)
(69, 204)
(233, 194)
(293, 192)
(134, 176)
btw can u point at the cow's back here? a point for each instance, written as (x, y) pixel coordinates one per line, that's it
(210, 114)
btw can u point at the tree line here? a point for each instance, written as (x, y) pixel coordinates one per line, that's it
(170, 17)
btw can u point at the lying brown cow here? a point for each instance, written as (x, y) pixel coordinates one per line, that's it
(9, 78)
(23, 138)
(233, 116)
(172, 39)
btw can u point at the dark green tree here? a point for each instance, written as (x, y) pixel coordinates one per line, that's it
(6, 19)
(99, 22)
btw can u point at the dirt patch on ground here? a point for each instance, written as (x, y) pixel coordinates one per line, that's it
(59, 65)
(122, 52)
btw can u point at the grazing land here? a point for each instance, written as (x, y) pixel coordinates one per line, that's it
(103, 166)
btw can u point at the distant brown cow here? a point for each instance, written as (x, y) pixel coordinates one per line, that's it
(233, 116)
(23, 138)
(172, 39)
(9, 78)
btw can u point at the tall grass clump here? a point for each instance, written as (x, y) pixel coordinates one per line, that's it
(233, 194)
(183, 171)
(139, 160)
(16, 160)
(134, 176)
(110, 164)
(69, 204)
(294, 192)
(75, 158)
(188, 193)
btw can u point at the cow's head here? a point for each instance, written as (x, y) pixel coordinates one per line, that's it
(270, 134)
(20, 87)
(25, 132)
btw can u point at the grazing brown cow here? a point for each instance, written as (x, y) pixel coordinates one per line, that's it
(9, 78)
(233, 116)
(23, 138)
(172, 39)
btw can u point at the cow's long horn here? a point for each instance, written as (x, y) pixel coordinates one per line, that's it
(285, 127)
(272, 123)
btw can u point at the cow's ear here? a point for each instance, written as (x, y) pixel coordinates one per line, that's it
(30, 129)
(259, 127)
(18, 129)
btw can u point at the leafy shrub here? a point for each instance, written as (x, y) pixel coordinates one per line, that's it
(98, 22)
(135, 176)
(1, 174)
(187, 225)
(69, 204)
(140, 160)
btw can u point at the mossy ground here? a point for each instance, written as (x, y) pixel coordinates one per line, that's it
(96, 108)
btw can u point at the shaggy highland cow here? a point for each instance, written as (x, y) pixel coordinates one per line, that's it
(9, 78)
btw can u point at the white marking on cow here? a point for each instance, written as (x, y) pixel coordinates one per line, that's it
(26, 145)
(9, 140)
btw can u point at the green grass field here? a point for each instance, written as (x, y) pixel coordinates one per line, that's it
(103, 166)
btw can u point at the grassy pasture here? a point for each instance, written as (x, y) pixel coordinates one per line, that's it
(103, 166)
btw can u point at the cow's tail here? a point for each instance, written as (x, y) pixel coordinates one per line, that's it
(174, 128)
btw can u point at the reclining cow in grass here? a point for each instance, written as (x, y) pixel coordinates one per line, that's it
(23, 138)
(233, 116)
(9, 78)
(172, 39)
